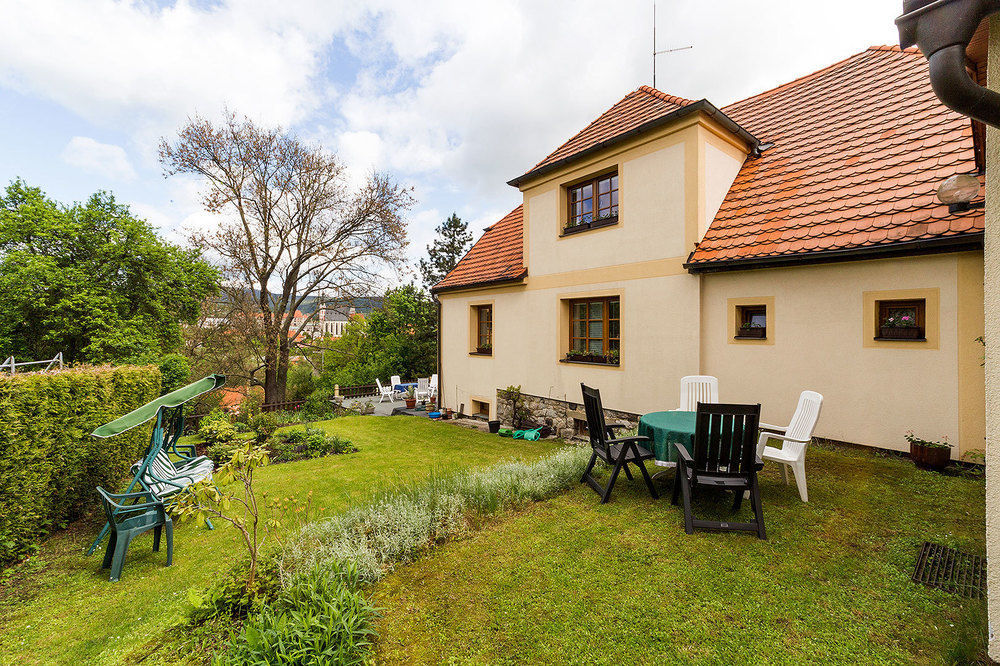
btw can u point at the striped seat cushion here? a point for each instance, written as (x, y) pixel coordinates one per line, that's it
(162, 477)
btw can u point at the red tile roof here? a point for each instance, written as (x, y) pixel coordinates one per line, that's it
(636, 108)
(859, 150)
(496, 257)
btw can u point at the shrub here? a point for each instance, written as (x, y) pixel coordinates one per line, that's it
(307, 443)
(221, 452)
(319, 405)
(322, 617)
(263, 425)
(50, 464)
(175, 372)
(300, 382)
(250, 405)
(216, 427)
(229, 596)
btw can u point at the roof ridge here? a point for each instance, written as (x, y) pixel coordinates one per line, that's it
(659, 94)
(817, 73)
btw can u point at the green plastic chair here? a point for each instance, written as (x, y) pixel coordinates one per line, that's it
(129, 517)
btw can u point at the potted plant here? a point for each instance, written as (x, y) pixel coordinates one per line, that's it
(612, 357)
(484, 349)
(900, 327)
(411, 398)
(750, 330)
(586, 357)
(927, 454)
(447, 413)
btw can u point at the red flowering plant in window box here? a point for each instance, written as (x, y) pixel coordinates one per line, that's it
(901, 326)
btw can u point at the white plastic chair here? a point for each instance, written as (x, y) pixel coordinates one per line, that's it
(695, 389)
(434, 385)
(395, 381)
(386, 391)
(423, 388)
(795, 438)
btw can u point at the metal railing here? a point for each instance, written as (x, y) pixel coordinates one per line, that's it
(11, 365)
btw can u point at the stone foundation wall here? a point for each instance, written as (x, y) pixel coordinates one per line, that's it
(560, 415)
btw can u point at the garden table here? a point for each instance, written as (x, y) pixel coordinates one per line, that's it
(666, 429)
(403, 387)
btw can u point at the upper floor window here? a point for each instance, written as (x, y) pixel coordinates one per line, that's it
(593, 203)
(484, 329)
(595, 330)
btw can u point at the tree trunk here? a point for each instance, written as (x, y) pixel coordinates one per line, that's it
(282, 374)
(272, 391)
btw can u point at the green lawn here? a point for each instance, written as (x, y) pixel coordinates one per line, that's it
(60, 608)
(571, 581)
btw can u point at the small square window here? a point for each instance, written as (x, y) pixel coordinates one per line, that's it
(751, 321)
(900, 319)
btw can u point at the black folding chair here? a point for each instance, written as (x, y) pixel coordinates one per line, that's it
(617, 452)
(725, 457)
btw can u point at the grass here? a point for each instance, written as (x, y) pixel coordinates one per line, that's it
(59, 607)
(571, 581)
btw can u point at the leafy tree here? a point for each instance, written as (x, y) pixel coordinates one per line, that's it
(452, 242)
(175, 372)
(398, 339)
(293, 230)
(91, 281)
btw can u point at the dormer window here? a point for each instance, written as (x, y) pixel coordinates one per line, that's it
(593, 203)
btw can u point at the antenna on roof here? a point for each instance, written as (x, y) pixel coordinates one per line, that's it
(655, 52)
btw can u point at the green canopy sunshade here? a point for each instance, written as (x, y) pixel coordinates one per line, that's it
(148, 411)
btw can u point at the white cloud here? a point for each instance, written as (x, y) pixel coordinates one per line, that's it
(128, 63)
(103, 159)
(455, 97)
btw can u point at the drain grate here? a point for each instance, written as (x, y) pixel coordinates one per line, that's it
(950, 570)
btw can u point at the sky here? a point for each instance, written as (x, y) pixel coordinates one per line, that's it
(451, 97)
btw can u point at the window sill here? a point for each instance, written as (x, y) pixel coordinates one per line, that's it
(600, 365)
(581, 228)
(878, 339)
(749, 337)
(475, 353)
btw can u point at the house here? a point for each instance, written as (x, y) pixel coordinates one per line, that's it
(789, 241)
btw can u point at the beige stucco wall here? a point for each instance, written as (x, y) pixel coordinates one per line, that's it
(659, 339)
(819, 338)
(992, 315)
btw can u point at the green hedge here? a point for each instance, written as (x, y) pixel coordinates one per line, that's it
(49, 463)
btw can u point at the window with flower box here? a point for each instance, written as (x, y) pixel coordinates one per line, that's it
(901, 319)
(751, 322)
(592, 203)
(595, 330)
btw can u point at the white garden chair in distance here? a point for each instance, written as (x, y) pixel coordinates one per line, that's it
(795, 438)
(395, 381)
(423, 391)
(386, 391)
(695, 389)
(434, 385)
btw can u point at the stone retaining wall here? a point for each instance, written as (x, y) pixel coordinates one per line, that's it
(561, 415)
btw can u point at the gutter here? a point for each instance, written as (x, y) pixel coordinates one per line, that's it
(943, 29)
(702, 105)
(971, 241)
(483, 283)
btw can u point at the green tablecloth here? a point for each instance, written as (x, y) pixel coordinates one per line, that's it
(666, 428)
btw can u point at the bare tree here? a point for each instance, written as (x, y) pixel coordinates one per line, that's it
(291, 227)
